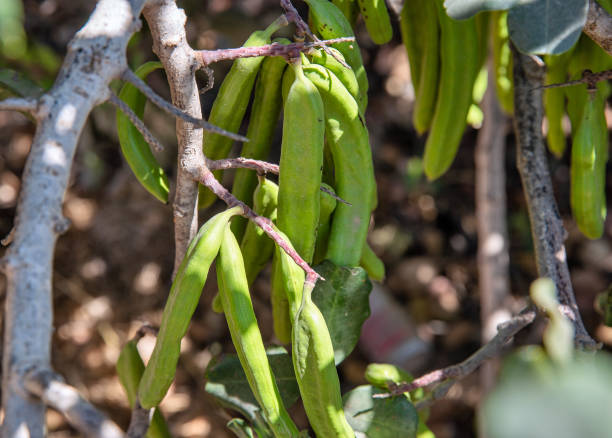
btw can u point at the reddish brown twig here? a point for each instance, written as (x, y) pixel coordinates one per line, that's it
(505, 332)
(288, 51)
(588, 77)
(206, 177)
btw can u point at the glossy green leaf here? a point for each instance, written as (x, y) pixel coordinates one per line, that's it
(343, 299)
(379, 417)
(133, 145)
(462, 9)
(547, 27)
(227, 382)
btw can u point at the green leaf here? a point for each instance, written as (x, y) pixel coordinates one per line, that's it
(228, 383)
(547, 27)
(574, 402)
(240, 428)
(379, 417)
(343, 299)
(18, 84)
(462, 9)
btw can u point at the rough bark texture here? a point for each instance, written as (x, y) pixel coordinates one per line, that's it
(546, 224)
(167, 24)
(95, 56)
(493, 258)
(599, 26)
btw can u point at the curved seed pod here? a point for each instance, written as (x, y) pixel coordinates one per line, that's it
(588, 175)
(328, 205)
(129, 370)
(421, 37)
(286, 295)
(377, 21)
(133, 146)
(329, 22)
(346, 76)
(349, 143)
(234, 292)
(300, 164)
(256, 246)
(231, 104)
(459, 68)
(266, 108)
(315, 371)
(182, 301)
(349, 8)
(372, 264)
(502, 60)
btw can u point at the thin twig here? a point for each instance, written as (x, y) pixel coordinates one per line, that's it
(206, 177)
(546, 224)
(505, 332)
(598, 26)
(82, 415)
(588, 77)
(260, 167)
(130, 76)
(289, 51)
(24, 104)
(242, 163)
(131, 115)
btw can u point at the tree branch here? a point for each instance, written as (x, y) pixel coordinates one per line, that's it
(505, 332)
(598, 26)
(27, 105)
(546, 225)
(132, 78)
(96, 56)
(493, 259)
(131, 115)
(242, 163)
(289, 51)
(139, 422)
(206, 177)
(167, 24)
(82, 415)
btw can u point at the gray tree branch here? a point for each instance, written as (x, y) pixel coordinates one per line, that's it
(493, 258)
(96, 55)
(82, 415)
(167, 24)
(599, 26)
(546, 225)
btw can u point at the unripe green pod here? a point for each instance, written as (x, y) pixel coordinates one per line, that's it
(460, 65)
(300, 164)
(182, 301)
(372, 264)
(267, 104)
(329, 22)
(256, 246)
(328, 205)
(133, 146)
(377, 21)
(231, 104)
(346, 76)
(234, 292)
(129, 370)
(349, 143)
(349, 8)
(315, 371)
(588, 169)
(421, 37)
(502, 61)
